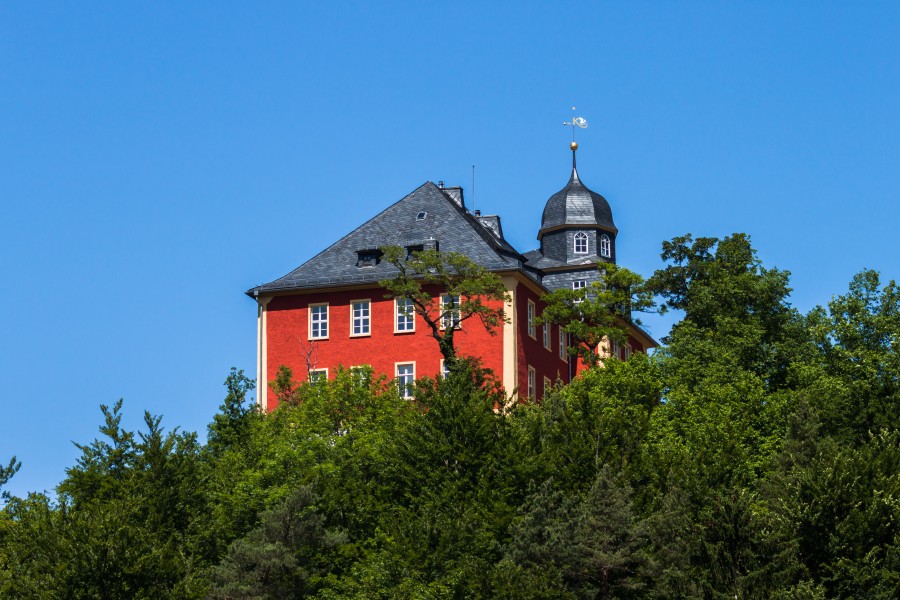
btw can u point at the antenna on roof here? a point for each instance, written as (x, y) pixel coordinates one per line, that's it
(473, 187)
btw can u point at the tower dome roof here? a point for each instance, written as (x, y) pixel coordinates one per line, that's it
(575, 205)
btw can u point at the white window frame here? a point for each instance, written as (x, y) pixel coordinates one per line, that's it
(445, 372)
(318, 375)
(320, 322)
(579, 284)
(409, 319)
(452, 317)
(531, 330)
(546, 327)
(365, 320)
(405, 389)
(355, 374)
(563, 355)
(626, 351)
(532, 376)
(580, 237)
(548, 385)
(605, 246)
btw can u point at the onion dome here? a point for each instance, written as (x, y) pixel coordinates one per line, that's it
(576, 206)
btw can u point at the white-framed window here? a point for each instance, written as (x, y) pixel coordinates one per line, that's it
(361, 375)
(579, 284)
(546, 330)
(614, 349)
(406, 377)
(531, 378)
(360, 318)
(318, 375)
(404, 316)
(581, 243)
(318, 321)
(445, 370)
(626, 351)
(449, 311)
(547, 387)
(531, 331)
(563, 355)
(605, 246)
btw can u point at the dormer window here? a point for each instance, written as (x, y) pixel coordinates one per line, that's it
(605, 246)
(410, 250)
(581, 243)
(421, 216)
(368, 258)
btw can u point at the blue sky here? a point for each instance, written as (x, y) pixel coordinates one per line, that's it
(158, 159)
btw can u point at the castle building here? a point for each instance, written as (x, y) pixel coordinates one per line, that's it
(331, 311)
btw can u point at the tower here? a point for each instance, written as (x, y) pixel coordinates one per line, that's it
(577, 232)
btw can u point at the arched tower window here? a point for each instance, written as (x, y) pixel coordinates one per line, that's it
(581, 243)
(605, 246)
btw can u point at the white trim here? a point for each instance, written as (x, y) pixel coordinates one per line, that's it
(397, 366)
(530, 314)
(368, 317)
(563, 354)
(580, 235)
(444, 372)
(412, 316)
(548, 385)
(262, 351)
(605, 246)
(309, 318)
(316, 371)
(546, 330)
(532, 382)
(450, 316)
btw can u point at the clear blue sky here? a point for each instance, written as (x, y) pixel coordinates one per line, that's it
(158, 159)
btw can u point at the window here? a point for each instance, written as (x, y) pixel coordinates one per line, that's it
(361, 375)
(581, 243)
(546, 328)
(605, 246)
(318, 375)
(406, 375)
(445, 370)
(531, 377)
(405, 317)
(562, 344)
(421, 216)
(547, 387)
(579, 284)
(626, 351)
(531, 319)
(449, 311)
(411, 250)
(360, 317)
(318, 321)
(368, 258)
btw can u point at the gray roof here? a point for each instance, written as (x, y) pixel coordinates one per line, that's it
(576, 205)
(445, 221)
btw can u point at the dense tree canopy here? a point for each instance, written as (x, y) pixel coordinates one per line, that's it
(755, 455)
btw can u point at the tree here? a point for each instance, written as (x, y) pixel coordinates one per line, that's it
(6, 474)
(601, 311)
(446, 289)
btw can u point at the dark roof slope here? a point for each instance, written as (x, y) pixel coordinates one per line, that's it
(403, 224)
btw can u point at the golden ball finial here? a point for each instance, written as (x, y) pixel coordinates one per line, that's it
(573, 146)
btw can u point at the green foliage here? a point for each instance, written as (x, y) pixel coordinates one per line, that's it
(756, 455)
(602, 311)
(445, 288)
(6, 474)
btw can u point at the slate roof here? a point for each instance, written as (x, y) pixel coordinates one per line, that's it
(402, 224)
(575, 204)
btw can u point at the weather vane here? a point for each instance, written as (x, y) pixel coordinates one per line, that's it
(579, 121)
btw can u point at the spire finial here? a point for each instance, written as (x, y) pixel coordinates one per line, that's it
(576, 121)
